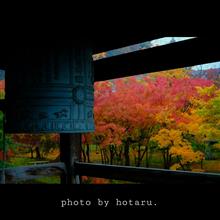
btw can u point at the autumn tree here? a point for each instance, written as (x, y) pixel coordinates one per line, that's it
(131, 113)
(143, 106)
(175, 147)
(41, 144)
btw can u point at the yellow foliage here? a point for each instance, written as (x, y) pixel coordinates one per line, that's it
(186, 154)
(198, 127)
(175, 73)
(178, 147)
(196, 103)
(208, 90)
(168, 138)
(217, 146)
(175, 166)
(163, 117)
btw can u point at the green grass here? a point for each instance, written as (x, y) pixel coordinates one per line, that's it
(23, 161)
(95, 156)
(155, 160)
(43, 180)
(212, 166)
(20, 161)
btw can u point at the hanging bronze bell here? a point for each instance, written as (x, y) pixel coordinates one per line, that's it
(50, 89)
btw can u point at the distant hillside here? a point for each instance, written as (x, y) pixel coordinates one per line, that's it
(210, 74)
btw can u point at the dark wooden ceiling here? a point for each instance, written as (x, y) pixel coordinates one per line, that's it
(181, 54)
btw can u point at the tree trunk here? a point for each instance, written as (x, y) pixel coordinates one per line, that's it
(102, 157)
(106, 159)
(84, 155)
(32, 153)
(111, 154)
(168, 161)
(139, 156)
(147, 156)
(201, 164)
(37, 150)
(164, 159)
(88, 153)
(126, 153)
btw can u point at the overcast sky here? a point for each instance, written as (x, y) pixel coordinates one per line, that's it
(213, 65)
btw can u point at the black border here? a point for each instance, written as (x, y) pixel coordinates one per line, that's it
(174, 200)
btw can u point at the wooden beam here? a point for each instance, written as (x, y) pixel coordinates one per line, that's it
(182, 54)
(101, 38)
(144, 175)
(70, 152)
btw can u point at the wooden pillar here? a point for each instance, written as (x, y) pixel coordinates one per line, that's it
(2, 176)
(70, 151)
(2, 172)
(2, 142)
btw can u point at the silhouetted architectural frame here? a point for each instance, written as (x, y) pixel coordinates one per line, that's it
(187, 53)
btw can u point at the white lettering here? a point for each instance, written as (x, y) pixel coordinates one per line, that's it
(81, 202)
(103, 203)
(131, 202)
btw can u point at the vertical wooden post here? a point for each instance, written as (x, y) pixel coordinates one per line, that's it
(70, 151)
(2, 171)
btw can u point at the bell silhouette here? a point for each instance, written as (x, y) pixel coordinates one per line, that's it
(50, 89)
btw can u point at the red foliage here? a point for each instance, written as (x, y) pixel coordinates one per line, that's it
(125, 105)
(87, 138)
(2, 85)
(9, 154)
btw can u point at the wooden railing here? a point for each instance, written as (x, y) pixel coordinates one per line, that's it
(24, 173)
(131, 174)
(144, 175)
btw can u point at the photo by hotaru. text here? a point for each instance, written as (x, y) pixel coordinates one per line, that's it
(105, 203)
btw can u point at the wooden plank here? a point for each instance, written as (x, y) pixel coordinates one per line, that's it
(70, 152)
(182, 54)
(14, 175)
(144, 175)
